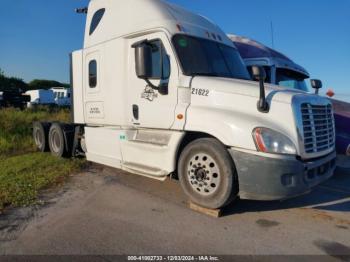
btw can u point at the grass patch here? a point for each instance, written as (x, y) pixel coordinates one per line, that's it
(22, 177)
(23, 171)
(16, 128)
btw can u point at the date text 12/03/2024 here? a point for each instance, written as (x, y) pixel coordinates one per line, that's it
(173, 258)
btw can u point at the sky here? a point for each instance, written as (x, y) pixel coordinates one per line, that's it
(36, 36)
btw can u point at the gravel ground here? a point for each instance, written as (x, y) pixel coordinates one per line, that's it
(109, 212)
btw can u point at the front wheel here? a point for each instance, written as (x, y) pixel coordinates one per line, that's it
(207, 173)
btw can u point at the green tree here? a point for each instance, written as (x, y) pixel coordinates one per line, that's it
(17, 84)
(11, 83)
(45, 84)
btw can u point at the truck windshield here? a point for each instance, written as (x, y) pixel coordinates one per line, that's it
(205, 57)
(291, 79)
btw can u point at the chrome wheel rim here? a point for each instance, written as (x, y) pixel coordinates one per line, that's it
(55, 141)
(203, 174)
(38, 139)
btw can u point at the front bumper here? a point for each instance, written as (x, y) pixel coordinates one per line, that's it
(278, 177)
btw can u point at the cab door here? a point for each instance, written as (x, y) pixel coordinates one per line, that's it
(94, 101)
(148, 107)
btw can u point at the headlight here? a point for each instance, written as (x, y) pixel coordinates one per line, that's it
(270, 141)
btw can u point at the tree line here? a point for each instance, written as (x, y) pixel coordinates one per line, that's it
(18, 85)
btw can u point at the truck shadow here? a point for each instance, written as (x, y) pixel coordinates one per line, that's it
(333, 195)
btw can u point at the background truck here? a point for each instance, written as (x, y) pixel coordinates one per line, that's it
(62, 96)
(342, 121)
(40, 97)
(282, 71)
(13, 98)
(168, 93)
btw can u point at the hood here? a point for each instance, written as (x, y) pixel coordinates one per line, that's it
(227, 109)
(245, 88)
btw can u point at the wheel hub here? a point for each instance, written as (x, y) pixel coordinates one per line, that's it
(200, 174)
(203, 174)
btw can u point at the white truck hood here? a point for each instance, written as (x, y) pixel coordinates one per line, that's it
(245, 88)
(227, 109)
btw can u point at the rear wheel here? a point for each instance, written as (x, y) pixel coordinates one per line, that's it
(207, 173)
(57, 141)
(40, 135)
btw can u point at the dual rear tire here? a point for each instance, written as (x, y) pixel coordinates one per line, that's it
(52, 137)
(57, 142)
(40, 135)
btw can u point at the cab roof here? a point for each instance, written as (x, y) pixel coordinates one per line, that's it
(125, 18)
(251, 49)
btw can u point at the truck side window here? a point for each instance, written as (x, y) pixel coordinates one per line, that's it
(160, 61)
(96, 19)
(93, 74)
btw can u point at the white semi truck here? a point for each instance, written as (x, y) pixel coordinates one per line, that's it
(158, 90)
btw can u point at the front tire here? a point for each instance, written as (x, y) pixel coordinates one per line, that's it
(207, 173)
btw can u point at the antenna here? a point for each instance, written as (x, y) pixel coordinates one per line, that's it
(272, 36)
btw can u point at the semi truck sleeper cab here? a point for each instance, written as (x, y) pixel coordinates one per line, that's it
(168, 93)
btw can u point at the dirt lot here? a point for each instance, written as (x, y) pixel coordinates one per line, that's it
(108, 212)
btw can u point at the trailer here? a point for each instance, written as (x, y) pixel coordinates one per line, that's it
(168, 93)
(282, 71)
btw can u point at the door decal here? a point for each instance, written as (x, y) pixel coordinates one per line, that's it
(149, 93)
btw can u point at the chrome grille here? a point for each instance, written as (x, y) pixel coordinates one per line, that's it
(318, 127)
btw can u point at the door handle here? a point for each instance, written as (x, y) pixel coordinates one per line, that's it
(135, 111)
